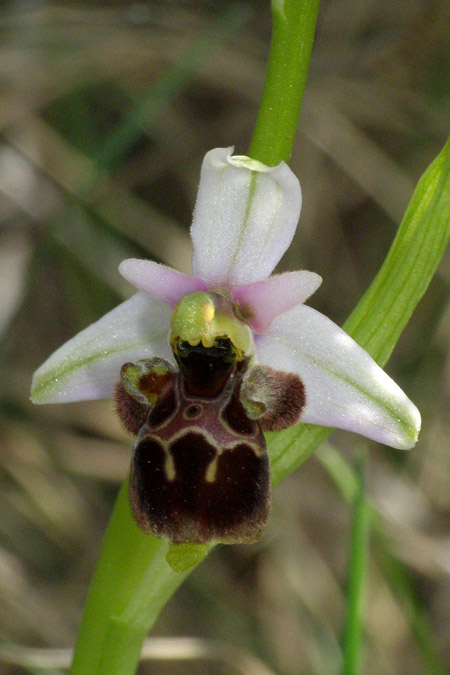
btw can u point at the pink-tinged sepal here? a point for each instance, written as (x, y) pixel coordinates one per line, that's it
(261, 302)
(160, 281)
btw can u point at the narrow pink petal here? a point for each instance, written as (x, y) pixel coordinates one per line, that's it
(159, 281)
(263, 301)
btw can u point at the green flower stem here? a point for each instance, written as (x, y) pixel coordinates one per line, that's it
(293, 27)
(357, 576)
(131, 584)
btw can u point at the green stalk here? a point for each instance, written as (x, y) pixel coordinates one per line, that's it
(131, 584)
(357, 579)
(293, 28)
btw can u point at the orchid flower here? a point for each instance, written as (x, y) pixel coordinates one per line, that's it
(200, 365)
(244, 220)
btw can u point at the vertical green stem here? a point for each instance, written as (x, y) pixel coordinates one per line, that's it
(353, 642)
(294, 23)
(131, 583)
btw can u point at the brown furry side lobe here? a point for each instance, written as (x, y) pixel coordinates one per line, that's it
(140, 387)
(279, 396)
(132, 413)
(200, 470)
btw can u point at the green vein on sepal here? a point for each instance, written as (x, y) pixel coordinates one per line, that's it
(401, 416)
(44, 384)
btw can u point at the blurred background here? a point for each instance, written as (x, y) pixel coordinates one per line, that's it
(106, 110)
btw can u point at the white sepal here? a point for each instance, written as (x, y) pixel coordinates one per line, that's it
(244, 219)
(344, 386)
(88, 365)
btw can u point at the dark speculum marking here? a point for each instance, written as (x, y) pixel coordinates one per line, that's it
(164, 408)
(154, 382)
(193, 411)
(234, 414)
(212, 495)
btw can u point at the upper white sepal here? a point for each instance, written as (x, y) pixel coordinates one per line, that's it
(244, 219)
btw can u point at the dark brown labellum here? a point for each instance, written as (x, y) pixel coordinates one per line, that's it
(200, 470)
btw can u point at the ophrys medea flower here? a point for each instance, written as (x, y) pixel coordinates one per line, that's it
(206, 362)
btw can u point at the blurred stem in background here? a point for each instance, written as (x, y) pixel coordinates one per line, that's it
(349, 485)
(133, 579)
(357, 577)
(166, 87)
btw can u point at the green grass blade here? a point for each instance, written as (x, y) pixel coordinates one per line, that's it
(394, 571)
(383, 312)
(357, 578)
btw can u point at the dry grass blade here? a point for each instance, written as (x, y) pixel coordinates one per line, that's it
(154, 649)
